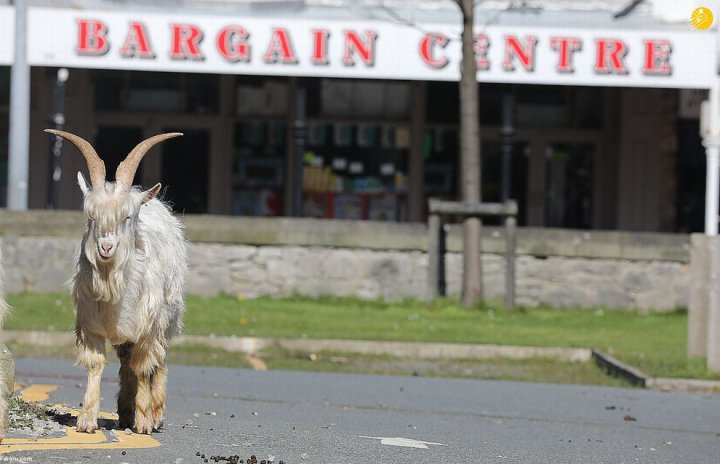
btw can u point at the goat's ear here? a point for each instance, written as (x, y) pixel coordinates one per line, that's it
(151, 193)
(83, 183)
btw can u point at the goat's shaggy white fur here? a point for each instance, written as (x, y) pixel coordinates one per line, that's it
(134, 300)
(4, 393)
(128, 287)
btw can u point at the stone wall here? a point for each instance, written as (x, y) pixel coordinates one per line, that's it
(44, 264)
(284, 256)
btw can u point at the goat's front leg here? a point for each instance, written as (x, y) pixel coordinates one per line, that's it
(147, 360)
(91, 356)
(143, 412)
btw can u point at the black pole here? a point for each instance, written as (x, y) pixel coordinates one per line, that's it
(507, 134)
(300, 136)
(57, 119)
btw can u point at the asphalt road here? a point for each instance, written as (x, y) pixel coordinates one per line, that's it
(325, 418)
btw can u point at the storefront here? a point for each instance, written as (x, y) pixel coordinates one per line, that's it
(358, 118)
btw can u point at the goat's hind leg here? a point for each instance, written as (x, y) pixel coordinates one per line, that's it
(128, 387)
(158, 384)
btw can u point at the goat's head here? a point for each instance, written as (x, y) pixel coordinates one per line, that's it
(112, 209)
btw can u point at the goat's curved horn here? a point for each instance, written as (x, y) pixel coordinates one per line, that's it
(126, 170)
(95, 165)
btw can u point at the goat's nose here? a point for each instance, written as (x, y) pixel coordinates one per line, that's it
(106, 247)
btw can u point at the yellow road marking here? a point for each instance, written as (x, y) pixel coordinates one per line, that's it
(73, 439)
(37, 393)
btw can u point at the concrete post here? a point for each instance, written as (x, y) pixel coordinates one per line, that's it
(698, 298)
(704, 304)
(713, 304)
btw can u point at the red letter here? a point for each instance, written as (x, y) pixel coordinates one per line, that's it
(320, 42)
(566, 46)
(280, 47)
(186, 40)
(232, 44)
(612, 50)
(657, 57)
(426, 50)
(92, 38)
(365, 50)
(137, 43)
(526, 54)
(481, 44)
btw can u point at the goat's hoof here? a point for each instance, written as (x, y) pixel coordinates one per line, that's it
(159, 423)
(86, 424)
(144, 425)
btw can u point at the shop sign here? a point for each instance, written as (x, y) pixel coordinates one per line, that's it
(7, 29)
(367, 49)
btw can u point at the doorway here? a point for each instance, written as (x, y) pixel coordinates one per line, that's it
(185, 170)
(113, 143)
(569, 185)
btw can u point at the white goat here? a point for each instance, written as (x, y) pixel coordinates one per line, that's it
(127, 287)
(4, 393)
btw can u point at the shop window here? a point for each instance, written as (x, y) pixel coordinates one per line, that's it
(259, 147)
(202, 93)
(442, 160)
(109, 89)
(154, 91)
(535, 105)
(492, 159)
(159, 92)
(345, 98)
(569, 185)
(442, 102)
(587, 107)
(356, 171)
(261, 96)
(541, 106)
(440, 150)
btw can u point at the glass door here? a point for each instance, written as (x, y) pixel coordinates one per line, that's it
(569, 185)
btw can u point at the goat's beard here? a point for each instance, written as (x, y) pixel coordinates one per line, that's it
(108, 276)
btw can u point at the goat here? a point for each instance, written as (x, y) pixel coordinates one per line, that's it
(4, 393)
(127, 287)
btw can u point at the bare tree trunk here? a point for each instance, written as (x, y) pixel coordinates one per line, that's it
(470, 163)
